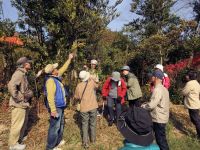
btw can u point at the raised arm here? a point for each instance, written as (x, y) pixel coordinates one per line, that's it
(65, 66)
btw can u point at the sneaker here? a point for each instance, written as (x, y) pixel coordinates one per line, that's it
(57, 148)
(110, 123)
(85, 146)
(93, 141)
(17, 147)
(61, 143)
(98, 114)
(22, 140)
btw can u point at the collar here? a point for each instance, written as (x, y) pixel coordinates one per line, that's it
(22, 70)
(159, 84)
(56, 77)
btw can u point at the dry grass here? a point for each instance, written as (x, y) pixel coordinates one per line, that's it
(107, 137)
(180, 130)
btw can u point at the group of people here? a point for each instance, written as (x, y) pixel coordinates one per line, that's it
(138, 124)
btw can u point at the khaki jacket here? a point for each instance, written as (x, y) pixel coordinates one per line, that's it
(89, 100)
(133, 87)
(18, 89)
(159, 104)
(191, 92)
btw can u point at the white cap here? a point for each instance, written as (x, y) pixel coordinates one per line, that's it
(159, 66)
(84, 75)
(50, 67)
(93, 61)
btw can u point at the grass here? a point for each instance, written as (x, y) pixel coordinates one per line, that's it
(108, 138)
(183, 142)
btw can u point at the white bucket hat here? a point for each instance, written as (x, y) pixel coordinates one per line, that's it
(84, 75)
(159, 66)
(116, 76)
(93, 61)
(50, 67)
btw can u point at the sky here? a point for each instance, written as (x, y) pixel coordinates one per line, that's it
(182, 9)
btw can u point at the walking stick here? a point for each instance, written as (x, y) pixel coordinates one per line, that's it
(101, 116)
(36, 89)
(37, 97)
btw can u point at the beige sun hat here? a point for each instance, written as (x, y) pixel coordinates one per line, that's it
(50, 67)
(84, 75)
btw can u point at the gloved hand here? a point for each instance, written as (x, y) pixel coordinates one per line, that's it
(119, 98)
(28, 95)
(104, 98)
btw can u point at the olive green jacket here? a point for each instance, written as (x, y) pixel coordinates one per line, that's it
(133, 87)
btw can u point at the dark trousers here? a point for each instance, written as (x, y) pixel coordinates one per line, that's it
(135, 102)
(111, 103)
(195, 119)
(160, 135)
(56, 128)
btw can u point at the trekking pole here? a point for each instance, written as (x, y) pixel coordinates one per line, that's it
(36, 89)
(101, 116)
(102, 110)
(37, 97)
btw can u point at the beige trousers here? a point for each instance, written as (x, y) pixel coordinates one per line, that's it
(19, 120)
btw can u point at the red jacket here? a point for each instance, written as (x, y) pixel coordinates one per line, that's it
(121, 89)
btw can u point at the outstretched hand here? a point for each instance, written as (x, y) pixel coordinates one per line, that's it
(77, 44)
(71, 56)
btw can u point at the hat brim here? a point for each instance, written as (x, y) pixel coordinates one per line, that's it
(29, 61)
(130, 135)
(125, 69)
(87, 77)
(114, 79)
(55, 65)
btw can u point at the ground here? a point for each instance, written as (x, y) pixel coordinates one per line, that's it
(181, 132)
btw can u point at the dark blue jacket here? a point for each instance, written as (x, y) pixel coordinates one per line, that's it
(60, 101)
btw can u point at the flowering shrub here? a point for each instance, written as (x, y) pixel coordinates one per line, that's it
(173, 69)
(177, 72)
(12, 40)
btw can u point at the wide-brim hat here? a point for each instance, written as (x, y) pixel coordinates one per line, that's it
(116, 76)
(50, 67)
(137, 130)
(84, 75)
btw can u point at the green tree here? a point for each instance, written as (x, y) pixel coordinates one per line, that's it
(153, 17)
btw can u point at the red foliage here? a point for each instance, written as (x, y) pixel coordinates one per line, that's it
(12, 40)
(196, 61)
(173, 69)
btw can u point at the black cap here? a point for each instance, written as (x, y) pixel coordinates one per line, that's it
(136, 126)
